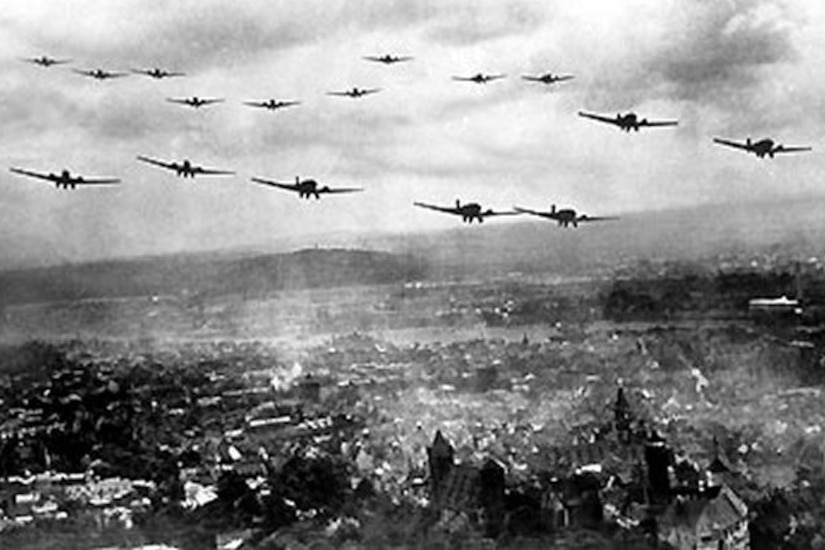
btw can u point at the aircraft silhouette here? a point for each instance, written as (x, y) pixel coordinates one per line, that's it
(186, 169)
(100, 74)
(762, 147)
(195, 102)
(629, 121)
(46, 61)
(356, 92)
(565, 216)
(271, 104)
(307, 188)
(548, 78)
(64, 179)
(157, 73)
(469, 211)
(388, 59)
(479, 78)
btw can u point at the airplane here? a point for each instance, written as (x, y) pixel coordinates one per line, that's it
(186, 169)
(629, 121)
(271, 104)
(100, 74)
(762, 147)
(548, 78)
(307, 188)
(479, 78)
(356, 92)
(565, 216)
(468, 212)
(388, 59)
(157, 73)
(64, 179)
(195, 102)
(46, 61)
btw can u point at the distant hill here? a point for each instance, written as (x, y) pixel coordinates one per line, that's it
(531, 246)
(208, 275)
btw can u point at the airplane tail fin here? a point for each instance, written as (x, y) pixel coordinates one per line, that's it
(748, 142)
(457, 203)
(552, 208)
(297, 180)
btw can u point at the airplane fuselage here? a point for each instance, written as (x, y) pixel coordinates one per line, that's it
(761, 148)
(470, 212)
(307, 189)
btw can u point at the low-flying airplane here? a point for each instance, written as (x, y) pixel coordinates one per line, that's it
(271, 104)
(195, 102)
(762, 147)
(629, 121)
(307, 188)
(356, 92)
(469, 211)
(158, 73)
(548, 78)
(185, 168)
(564, 216)
(479, 78)
(388, 59)
(100, 74)
(46, 61)
(64, 179)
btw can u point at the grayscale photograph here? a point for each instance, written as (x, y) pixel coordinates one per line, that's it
(412, 274)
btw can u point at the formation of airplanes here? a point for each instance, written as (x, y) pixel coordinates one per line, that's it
(309, 188)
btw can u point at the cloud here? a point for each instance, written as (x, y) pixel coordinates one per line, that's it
(714, 52)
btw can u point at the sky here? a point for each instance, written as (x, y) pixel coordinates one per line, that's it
(723, 68)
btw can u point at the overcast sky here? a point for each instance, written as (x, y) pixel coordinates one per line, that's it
(734, 69)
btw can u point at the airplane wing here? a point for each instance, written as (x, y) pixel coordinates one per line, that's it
(211, 101)
(179, 101)
(502, 213)
(116, 75)
(261, 104)
(586, 218)
(532, 212)
(729, 143)
(340, 94)
(370, 91)
(562, 78)
(464, 78)
(376, 59)
(84, 73)
(600, 118)
(334, 190)
(496, 77)
(211, 171)
(167, 165)
(656, 123)
(95, 181)
(46, 177)
(783, 149)
(287, 186)
(446, 210)
(532, 78)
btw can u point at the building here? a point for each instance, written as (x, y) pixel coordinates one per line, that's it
(716, 519)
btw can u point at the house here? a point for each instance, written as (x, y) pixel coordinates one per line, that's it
(716, 519)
